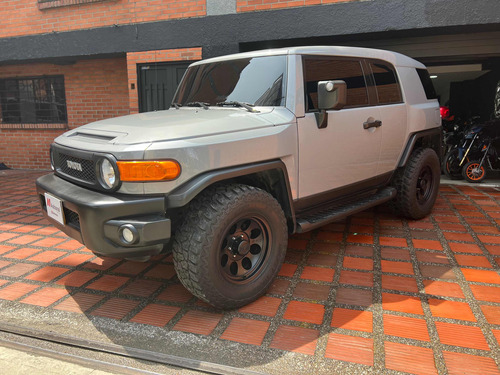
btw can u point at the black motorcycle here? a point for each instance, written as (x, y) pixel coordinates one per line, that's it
(475, 170)
(462, 145)
(478, 150)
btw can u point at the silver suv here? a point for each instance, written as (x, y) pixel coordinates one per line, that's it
(256, 146)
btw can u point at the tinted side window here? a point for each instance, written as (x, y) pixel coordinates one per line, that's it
(386, 81)
(427, 83)
(325, 69)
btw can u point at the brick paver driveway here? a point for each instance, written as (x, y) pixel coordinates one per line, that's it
(374, 293)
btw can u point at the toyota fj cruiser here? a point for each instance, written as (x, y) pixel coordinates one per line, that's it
(256, 146)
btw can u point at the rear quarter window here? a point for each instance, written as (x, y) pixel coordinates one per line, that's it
(426, 80)
(386, 82)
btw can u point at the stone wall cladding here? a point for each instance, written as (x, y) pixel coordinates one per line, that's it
(258, 5)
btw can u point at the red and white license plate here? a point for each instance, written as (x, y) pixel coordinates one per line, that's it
(54, 208)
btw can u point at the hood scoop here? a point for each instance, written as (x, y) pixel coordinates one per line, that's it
(100, 138)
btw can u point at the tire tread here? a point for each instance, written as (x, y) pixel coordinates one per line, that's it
(197, 231)
(405, 202)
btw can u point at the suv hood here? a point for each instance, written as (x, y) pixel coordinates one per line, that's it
(174, 124)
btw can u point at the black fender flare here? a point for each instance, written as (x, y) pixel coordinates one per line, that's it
(183, 194)
(431, 138)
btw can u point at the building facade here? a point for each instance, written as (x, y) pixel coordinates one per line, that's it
(64, 63)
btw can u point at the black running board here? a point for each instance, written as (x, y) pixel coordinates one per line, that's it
(326, 216)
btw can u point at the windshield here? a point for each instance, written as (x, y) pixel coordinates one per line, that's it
(256, 81)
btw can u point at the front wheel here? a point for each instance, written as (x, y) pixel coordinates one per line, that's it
(417, 184)
(474, 172)
(230, 245)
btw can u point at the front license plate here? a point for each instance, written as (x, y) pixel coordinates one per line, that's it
(54, 208)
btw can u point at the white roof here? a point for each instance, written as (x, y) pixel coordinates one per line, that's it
(392, 57)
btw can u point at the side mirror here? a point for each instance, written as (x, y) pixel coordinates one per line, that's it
(331, 95)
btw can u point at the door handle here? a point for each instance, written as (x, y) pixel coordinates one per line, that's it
(372, 124)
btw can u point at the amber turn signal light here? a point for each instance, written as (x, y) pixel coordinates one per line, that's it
(149, 170)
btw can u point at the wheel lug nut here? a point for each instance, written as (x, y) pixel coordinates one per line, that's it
(229, 248)
(233, 238)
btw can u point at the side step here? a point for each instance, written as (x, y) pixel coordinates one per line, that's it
(328, 215)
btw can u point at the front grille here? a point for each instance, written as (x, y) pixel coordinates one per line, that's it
(87, 173)
(72, 218)
(80, 166)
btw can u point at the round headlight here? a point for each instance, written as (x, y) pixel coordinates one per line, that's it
(108, 174)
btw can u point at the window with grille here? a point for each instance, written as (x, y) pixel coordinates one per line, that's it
(39, 100)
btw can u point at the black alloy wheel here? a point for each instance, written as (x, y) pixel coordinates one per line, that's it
(244, 249)
(425, 185)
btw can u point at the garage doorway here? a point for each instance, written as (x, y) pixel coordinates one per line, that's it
(157, 84)
(467, 90)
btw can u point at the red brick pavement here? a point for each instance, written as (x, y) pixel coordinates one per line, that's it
(375, 291)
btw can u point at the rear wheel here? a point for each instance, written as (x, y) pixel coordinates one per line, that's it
(451, 165)
(230, 245)
(473, 172)
(417, 184)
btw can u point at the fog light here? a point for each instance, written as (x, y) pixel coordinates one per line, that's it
(128, 234)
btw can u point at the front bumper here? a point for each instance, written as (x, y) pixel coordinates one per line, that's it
(96, 219)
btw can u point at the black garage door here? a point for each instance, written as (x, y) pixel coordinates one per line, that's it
(157, 85)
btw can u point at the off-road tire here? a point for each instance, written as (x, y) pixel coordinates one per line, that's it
(470, 172)
(205, 244)
(450, 166)
(417, 184)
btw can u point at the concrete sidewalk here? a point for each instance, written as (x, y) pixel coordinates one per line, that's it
(487, 183)
(17, 362)
(22, 362)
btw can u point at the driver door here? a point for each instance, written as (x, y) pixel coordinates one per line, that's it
(344, 154)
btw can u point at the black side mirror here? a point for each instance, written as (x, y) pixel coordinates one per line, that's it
(332, 95)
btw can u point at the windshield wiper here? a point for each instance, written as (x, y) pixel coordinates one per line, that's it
(236, 103)
(198, 104)
(176, 105)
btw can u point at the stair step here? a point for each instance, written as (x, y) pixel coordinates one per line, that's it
(329, 215)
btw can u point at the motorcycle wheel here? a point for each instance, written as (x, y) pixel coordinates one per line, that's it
(473, 172)
(451, 165)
